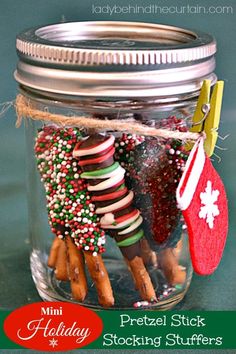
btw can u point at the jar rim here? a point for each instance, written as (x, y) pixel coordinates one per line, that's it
(112, 58)
(95, 43)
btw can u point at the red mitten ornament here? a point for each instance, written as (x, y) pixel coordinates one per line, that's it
(201, 197)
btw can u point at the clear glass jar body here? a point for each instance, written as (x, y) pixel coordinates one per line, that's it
(147, 257)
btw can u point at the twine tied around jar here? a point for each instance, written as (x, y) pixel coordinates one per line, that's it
(24, 109)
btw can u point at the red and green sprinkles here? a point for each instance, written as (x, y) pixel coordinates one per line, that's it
(70, 209)
(70, 203)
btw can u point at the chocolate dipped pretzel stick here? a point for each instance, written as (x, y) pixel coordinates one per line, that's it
(68, 198)
(43, 149)
(83, 223)
(155, 173)
(125, 147)
(113, 201)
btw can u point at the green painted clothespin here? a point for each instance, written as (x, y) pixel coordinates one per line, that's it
(207, 114)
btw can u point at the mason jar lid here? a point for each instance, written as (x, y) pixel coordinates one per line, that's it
(122, 59)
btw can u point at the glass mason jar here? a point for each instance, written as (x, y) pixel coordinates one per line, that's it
(105, 227)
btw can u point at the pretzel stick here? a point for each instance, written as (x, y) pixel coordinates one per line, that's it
(148, 255)
(171, 268)
(61, 263)
(142, 279)
(77, 275)
(100, 278)
(52, 258)
(178, 248)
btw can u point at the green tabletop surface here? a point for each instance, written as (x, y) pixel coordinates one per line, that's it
(215, 292)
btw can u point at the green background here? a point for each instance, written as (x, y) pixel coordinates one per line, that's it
(144, 335)
(216, 292)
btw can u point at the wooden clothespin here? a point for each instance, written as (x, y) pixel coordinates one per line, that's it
(207, 114)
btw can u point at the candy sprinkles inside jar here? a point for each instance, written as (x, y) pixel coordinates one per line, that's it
(109, 108)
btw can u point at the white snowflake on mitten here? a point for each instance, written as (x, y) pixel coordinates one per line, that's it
(209, 210)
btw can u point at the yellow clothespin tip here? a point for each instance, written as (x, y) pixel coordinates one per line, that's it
(201, 110)
(207, 115)
(212, 121)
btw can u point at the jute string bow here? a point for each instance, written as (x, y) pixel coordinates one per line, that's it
(25, 109)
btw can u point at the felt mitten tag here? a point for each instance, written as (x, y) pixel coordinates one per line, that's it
(201, 197)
